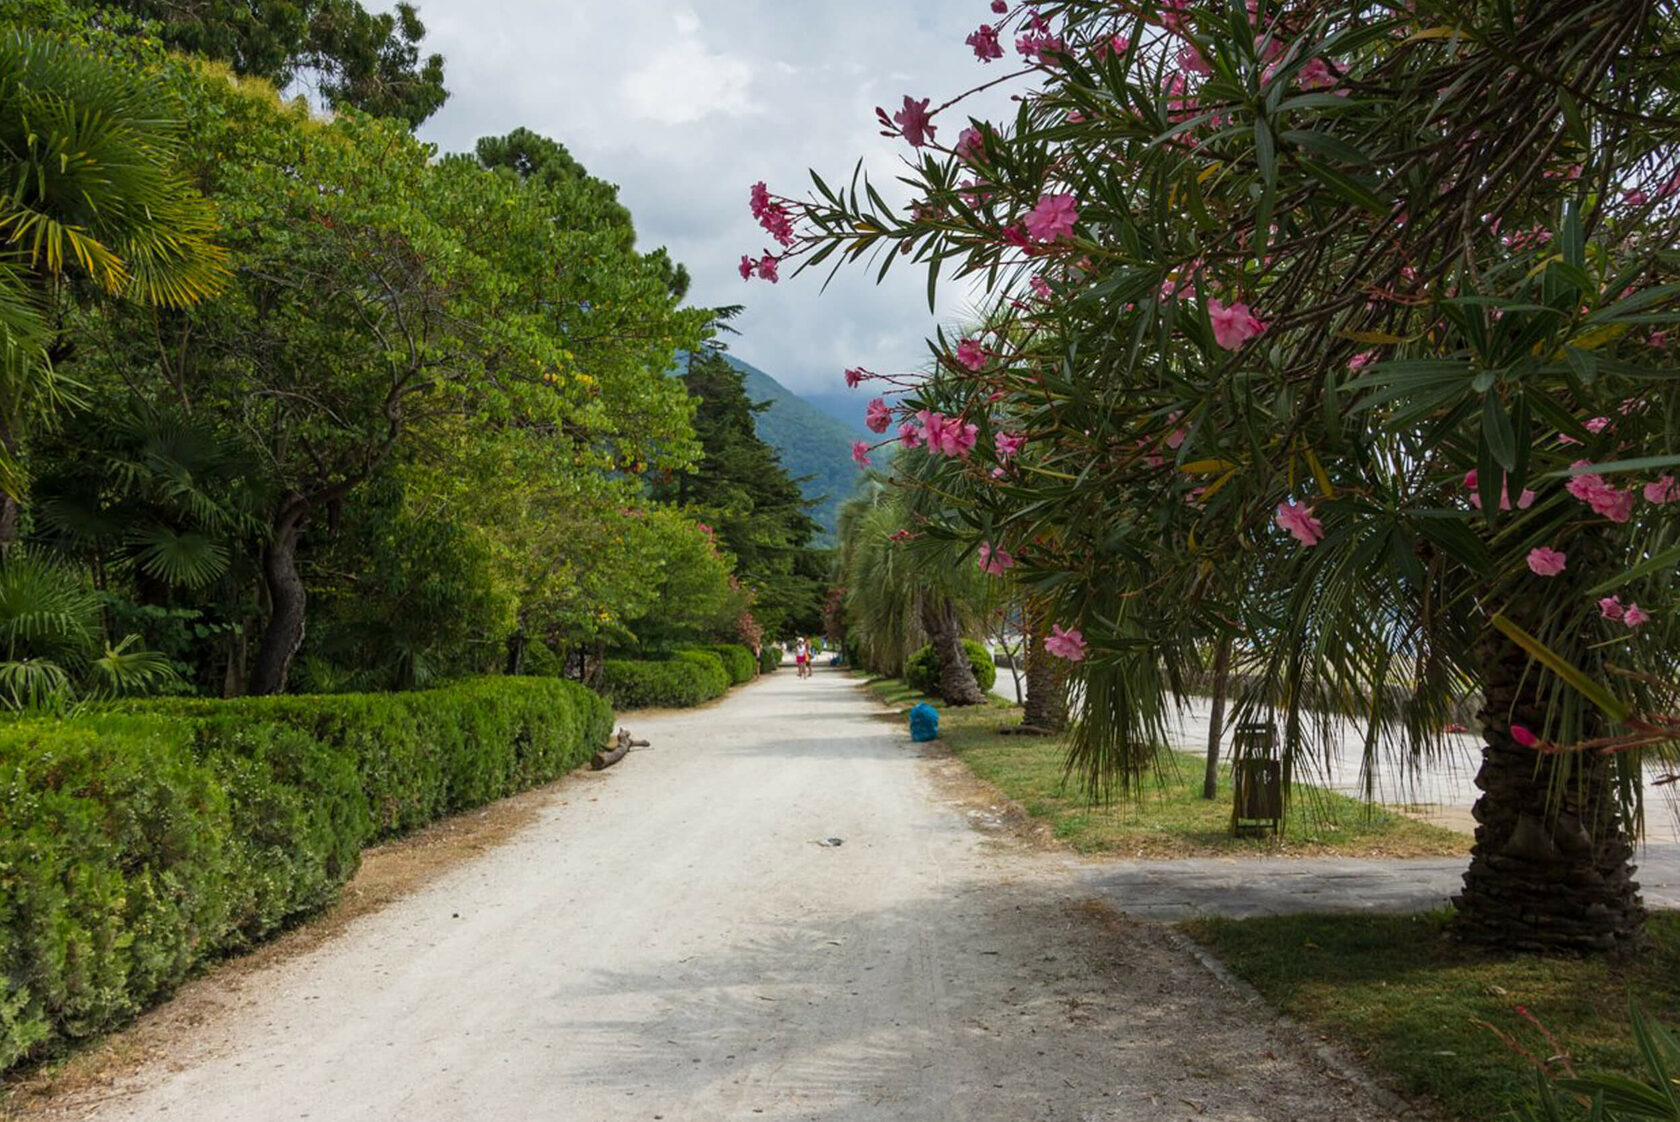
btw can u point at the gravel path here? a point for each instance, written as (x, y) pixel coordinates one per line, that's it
(669, 940)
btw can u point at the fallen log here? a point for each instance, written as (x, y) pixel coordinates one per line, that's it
(615, 750)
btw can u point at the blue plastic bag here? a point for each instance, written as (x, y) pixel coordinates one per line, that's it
(924, 722)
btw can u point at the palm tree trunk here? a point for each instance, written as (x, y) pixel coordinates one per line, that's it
(1216, 720)
(1550, 870)
(1045, 707)
(287, 601)
(956, 676)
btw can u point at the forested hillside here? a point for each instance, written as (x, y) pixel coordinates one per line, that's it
(815, 448)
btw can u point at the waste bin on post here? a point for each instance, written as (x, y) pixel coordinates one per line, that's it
(1256, 779)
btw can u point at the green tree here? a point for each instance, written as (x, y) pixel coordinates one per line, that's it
(92, 201)
(1317, 307)
(739, 487)
(348, 56)
(386, 309)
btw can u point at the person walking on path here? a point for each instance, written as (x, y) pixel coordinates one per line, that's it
(802, 656)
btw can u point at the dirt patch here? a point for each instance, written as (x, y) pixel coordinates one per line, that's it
(389, 872)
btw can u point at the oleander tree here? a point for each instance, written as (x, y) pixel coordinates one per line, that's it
(1341, 328)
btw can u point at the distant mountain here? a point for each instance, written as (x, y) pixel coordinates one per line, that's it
(811, 443)
(845, 406)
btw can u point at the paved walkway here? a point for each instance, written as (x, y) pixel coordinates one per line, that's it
(669, 940)
(1240, 887)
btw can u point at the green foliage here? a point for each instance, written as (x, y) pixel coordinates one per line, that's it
(137, 845)
(741, 490)
(349, 57)
(769, 659)
(921, 672)
(1653, 1096)
(815, 449)
(686, 678)
(737, 661)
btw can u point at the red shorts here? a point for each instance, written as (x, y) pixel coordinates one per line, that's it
(799, 658)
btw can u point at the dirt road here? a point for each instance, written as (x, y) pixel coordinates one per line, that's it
(669, 940)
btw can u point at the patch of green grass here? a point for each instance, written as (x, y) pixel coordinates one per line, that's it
(1443, 1019)
(1169, 818)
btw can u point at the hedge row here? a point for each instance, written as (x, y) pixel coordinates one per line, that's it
(686, 678)
(769, 659)
(136, 845)
(737, 660)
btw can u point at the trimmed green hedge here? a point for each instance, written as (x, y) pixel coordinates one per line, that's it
(686, 678)
(737, 660)
(769, 658)
(921, 672)
(136, 845)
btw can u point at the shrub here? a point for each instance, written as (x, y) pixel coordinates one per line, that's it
(737, 660)
(714, 674)
(674, 683)
(769, 658)
(137, 843)
(921, 672)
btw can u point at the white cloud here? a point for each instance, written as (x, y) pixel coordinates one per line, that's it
(683, 81)
(685, 112)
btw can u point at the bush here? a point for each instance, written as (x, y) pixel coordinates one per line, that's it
(737, 660)
(769, 658)
(674, 683)
(921, 672)
(137, 844)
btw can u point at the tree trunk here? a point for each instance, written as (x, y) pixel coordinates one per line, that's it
(286, 598)
(516, 644)
(956, 677)
(1046, 705)
(1550, 870)
(1216, 720)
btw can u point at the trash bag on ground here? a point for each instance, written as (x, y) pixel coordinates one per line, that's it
(924, 722)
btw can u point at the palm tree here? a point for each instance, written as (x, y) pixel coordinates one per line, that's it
(89, 193)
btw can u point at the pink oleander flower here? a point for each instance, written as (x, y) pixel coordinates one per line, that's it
(760, 198)
(995, 561)
(1114, 45)
(1299, 521)
(1634, 197)
(1546, 562)
(913, 123)
(767, 267)
(860, 452)
(901, 535)
(970, 354)
(1611, 609)
(949, 436)
(1040, 287)
(999, 6)
(985, 43)
(1315, 75)
(1523, 735)
(1362, 360)
(746, 267)
(854, 376)
(1233, 325)
(1662, 490)
(910, 436)
(1635, 616)
(970, 144)
(1069, 644)
(1190, 60)
(1036, 46)
(1008, 445)
(1590, 487)
(1052, 218)
(1597, 424)
(877, 415)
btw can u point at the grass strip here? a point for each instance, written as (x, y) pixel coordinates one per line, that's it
(1444, 1020)
(1170, 819)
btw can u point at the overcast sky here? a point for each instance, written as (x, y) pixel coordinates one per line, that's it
(685, 104)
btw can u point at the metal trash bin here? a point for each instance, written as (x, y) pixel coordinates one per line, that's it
(1257, 780)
